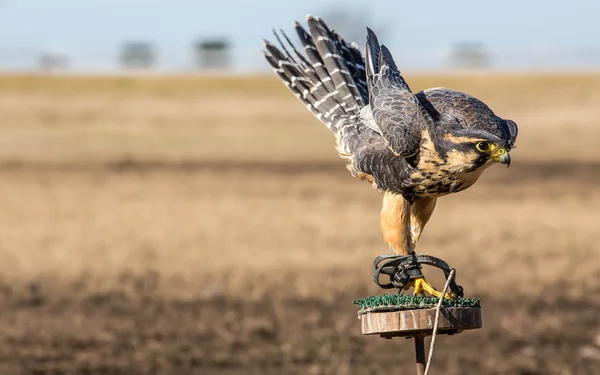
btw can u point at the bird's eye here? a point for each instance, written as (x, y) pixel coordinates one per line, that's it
(483, 146)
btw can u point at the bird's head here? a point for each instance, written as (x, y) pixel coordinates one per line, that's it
(478, 148)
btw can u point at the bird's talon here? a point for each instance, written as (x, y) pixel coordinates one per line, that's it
(423, 287)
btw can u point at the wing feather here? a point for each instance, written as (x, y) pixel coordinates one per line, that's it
(329, 79)
(396, 112)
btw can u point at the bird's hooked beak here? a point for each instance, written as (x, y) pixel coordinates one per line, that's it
(501, 156)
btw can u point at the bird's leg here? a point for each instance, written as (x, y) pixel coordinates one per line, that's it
(402, 224)
(395, 223)
(420, 212)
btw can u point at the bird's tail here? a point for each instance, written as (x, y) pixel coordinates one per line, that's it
(330, 79)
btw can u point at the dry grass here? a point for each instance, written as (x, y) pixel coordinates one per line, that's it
(78, 118)
(76, 227)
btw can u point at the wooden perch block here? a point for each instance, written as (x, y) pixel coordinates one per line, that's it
(419, 322)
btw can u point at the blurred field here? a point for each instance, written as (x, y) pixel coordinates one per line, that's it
(205, 225)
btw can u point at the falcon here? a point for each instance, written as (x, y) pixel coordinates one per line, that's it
(413, 147)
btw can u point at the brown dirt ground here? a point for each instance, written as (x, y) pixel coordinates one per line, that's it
(167, 296)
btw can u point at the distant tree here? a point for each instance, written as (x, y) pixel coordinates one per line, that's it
(213, 53)
(138, 55)
(469, 55)
(53, 61)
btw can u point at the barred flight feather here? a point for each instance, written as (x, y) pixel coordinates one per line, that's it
(329, 78)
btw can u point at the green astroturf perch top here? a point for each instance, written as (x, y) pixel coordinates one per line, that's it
(407, 302)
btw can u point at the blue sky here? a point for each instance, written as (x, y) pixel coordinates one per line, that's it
(420, 33)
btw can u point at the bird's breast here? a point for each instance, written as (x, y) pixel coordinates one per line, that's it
(435, 183)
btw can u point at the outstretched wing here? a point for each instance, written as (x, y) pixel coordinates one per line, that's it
(329, 79)
(396, 112)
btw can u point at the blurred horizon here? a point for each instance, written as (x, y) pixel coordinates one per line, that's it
(556, 35)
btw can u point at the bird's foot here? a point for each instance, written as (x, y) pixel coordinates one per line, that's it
(423, 287)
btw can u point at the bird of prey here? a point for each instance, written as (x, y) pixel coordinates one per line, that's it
(413, 147)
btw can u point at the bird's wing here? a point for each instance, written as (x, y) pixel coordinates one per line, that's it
(396, 112)
(329, 79)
